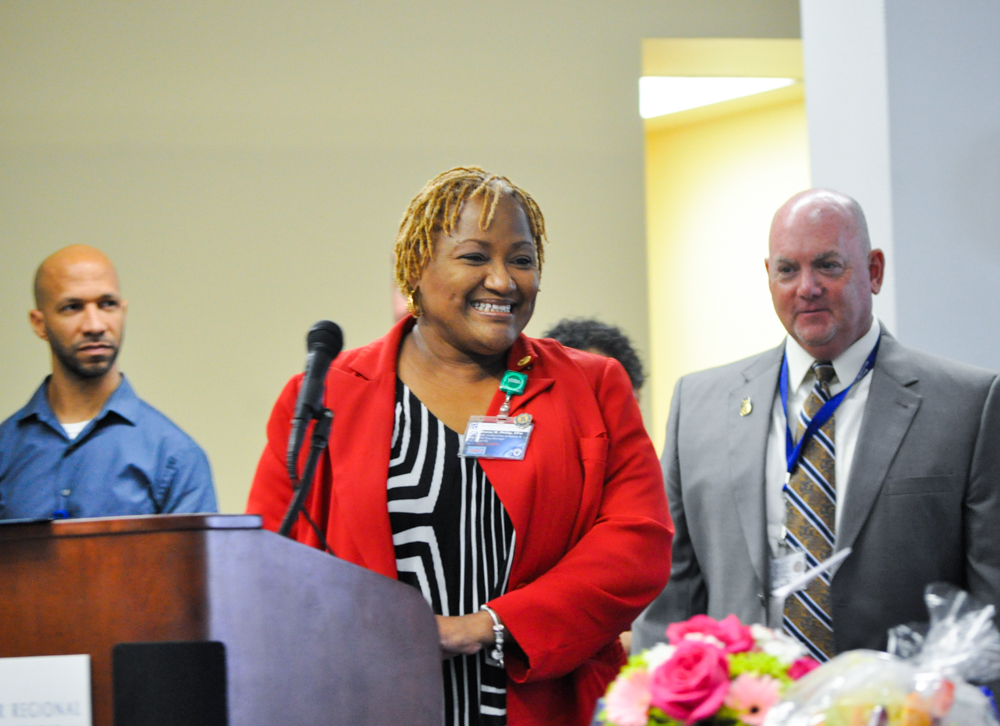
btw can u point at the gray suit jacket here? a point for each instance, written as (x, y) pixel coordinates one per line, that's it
(923, 503)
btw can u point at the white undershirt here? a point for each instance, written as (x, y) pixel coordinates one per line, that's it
(73, 429)
(847, 421)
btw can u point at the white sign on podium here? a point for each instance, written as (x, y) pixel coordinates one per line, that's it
(53, 690)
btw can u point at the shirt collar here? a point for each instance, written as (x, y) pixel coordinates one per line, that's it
(123, 402)
(38, 406)
(846, 365)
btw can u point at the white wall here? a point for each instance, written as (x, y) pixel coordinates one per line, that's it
(903, 98)
(845, 62)
(944, 110)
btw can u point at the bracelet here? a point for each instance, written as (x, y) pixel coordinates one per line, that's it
(498, 629)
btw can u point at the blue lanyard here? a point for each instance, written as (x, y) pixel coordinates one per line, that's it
(794, 451)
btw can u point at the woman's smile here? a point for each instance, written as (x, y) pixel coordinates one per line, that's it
(493, 308)
(478, 290)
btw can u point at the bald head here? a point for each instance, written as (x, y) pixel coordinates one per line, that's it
(822, 271)
(70, 262)
(80, 313)
(824, 207)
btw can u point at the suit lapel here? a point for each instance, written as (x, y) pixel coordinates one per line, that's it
(359, 459)
(748, 452)
(518, 403)
(359, 451)
(890, 409)
(522, 350)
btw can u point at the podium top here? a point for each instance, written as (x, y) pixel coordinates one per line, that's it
(43, 529)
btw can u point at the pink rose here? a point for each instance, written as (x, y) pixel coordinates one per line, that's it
(737, 637)
(627, 702)
(693, 684)
(802, 666)
(731, 635)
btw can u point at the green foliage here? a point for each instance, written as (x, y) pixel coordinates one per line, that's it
(726, 716)
(657, 717)
(760, 664)
(636, 661)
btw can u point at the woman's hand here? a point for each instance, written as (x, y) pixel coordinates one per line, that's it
(626, 639)
(464, 634)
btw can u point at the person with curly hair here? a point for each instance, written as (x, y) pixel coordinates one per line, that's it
(534, 562)
(600, 338)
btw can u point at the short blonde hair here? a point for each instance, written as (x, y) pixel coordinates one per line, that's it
(438, 206)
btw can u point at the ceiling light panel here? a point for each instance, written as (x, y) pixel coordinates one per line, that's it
(660, 95)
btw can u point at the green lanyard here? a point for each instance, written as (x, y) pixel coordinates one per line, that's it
(512, 384)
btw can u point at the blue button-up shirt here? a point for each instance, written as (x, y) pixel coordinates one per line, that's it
(130, 459)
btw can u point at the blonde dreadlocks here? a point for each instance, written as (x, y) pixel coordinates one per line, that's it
(438, 206)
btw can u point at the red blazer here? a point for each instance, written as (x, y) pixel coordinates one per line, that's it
(593, 533)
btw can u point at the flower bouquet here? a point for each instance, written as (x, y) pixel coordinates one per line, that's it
(716, 671)
(925, 679)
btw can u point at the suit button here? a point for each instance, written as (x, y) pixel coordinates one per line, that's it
(760, 596)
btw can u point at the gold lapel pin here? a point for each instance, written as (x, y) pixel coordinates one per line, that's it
(746, 406)
(524, 361)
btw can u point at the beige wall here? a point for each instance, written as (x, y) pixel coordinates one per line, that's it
(246, 165)
(712, 188)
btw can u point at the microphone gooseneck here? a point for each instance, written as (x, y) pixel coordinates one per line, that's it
(323, 343)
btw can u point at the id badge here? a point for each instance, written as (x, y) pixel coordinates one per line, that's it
(787, 568)
(491, 437)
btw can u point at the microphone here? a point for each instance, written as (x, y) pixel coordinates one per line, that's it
(323, 343)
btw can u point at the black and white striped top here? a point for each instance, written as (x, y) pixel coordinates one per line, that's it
(454, 542)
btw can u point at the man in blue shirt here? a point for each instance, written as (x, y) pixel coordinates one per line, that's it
(85, 445)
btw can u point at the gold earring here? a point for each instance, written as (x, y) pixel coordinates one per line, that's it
(412, 306)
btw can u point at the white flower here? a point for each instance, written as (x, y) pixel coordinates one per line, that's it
(761, 634)
(658, 655)
(785, 649)
(705, 638)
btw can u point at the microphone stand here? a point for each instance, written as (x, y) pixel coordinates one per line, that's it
(320, 438)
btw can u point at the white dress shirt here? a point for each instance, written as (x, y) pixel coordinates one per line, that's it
(847, 421)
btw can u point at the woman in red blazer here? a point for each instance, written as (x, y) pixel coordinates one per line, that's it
(591, 532)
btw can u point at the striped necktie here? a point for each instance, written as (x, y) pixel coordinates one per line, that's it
(811, 510)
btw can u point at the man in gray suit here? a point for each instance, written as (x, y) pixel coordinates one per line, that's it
(903, 467)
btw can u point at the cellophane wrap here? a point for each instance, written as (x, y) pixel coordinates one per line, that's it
(923, 681)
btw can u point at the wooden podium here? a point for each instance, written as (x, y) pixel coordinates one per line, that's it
(309, 639)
